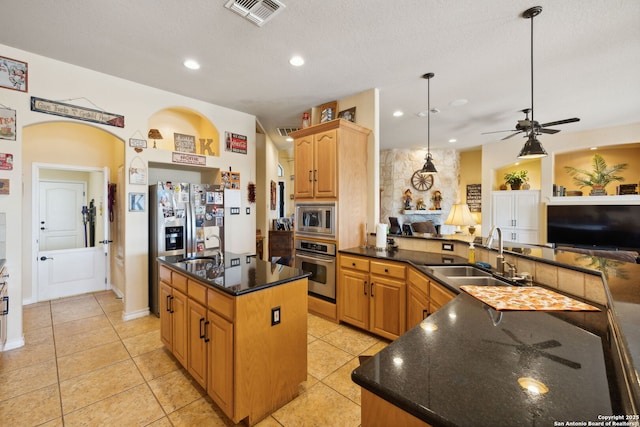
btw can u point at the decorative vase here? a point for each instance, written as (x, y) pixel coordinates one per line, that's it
(526, 186)
(503, 187)
(515, 186)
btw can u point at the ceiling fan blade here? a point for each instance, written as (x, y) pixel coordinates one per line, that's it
(549, 131)
(560, 122)
(498, 131)
(511, 136)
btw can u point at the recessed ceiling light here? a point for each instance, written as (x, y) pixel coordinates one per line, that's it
(289, 139)
(593, 148)
(398, 113)
(191, 64)
(458, 102)
(452, 140)
(296, 61)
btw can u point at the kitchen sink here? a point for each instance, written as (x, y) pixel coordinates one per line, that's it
(201, 260)
(478, 281)
(459, 271)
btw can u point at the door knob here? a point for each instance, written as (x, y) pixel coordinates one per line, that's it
(44, 258)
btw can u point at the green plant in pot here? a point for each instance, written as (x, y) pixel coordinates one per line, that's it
(599, 177)
(516, 178)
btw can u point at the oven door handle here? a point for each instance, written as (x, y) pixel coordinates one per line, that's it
(315, 257)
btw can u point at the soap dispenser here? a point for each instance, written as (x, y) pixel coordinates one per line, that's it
(472, 253)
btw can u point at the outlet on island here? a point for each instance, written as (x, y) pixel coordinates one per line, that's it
(275, 316)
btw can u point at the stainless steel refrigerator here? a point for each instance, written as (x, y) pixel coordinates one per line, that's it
(185, 220)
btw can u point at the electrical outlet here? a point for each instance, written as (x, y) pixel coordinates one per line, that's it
(247, 211)
(275, 316)
(447, 247)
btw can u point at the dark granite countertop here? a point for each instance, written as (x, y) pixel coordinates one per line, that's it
(466, 371)
(239, 275)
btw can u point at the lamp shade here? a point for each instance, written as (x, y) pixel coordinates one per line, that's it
(532, 149)
(460, 215)
(154, 134)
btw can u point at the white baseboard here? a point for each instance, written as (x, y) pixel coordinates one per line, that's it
(117, 291)
(135, 315)
(11, 344)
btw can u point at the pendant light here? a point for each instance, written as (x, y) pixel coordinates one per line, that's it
(428, 167)
(532, 149)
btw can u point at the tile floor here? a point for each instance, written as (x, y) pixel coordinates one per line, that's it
(82, 365)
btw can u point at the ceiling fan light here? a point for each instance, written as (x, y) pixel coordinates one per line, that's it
(532, 149)
(429, 167)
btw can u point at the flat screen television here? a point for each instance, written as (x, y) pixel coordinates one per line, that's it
(594, 226)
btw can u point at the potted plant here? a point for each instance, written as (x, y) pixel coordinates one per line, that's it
(599, 177)
(516, 178)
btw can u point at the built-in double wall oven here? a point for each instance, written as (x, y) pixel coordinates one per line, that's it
(317, 220)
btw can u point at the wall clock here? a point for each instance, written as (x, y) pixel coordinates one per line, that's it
(421, 181)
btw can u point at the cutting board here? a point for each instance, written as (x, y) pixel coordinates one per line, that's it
(530, 298)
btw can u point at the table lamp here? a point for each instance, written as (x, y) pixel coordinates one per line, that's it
(460, 215)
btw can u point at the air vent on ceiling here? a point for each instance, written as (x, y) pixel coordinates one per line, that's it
(256, 11)
(286, 131)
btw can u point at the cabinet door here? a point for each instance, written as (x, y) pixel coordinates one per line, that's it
(197, 348)
(388, 307)
(179, 326)
(502, 210)
(166, 319)
(354, 297)
(417, 307)
(438, 296)
(325, 164)
(526, 210)
(303, 167)
(220, 369)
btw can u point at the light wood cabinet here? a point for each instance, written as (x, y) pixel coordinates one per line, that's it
(173, 314)
(517, 214)
(220, 363)
(197, 342)
(424, 297)
(372, 295)
(315, 165)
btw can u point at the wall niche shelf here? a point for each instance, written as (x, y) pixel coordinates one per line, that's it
(631, 199)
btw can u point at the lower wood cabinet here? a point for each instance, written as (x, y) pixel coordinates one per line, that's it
(424, 297)
(173, 326)
(220, 363)
(372, 295)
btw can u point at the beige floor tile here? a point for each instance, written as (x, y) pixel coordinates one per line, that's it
(323, 358)
(269, 422)
(134, 407)
(24, 380)
(38, 348)
(143, 343)
(33, 408)
(156, 363)
(376, 348)
(350, 339)
(89, 360)
(310, 382)
(36, 316)
(74, 309)
(73, 327)
(109, 301)
(53, 423)
(319, 327)
(197, 413)
(89, 388)
(70, 344)
(341, 382)
(320, 406)
(115, 317)
(139, 326)
(162, 422)
(175, 390)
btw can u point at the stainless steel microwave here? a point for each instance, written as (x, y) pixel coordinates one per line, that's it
(316, 219)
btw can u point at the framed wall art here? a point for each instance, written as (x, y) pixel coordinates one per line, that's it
(13, 74)
(348, 114)
(136, 202)
(328, 111)
(8, 124)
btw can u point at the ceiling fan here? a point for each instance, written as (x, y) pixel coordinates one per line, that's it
(531, 127)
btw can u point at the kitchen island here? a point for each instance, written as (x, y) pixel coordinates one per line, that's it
(239, 328)
(469, 365)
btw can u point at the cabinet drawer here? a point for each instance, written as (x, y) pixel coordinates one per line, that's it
(197, 292)
(221, 303)
(439, 295)
(387, 269)
(165, 274)
(179, 281)
(355, 263)
(418, 282)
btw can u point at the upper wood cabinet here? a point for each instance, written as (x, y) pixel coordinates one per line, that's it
(328, 158)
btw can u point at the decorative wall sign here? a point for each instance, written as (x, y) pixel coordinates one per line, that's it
(236, 143)
(4, 186)
(188, 159)
(6, 161)
(136, 202)
(231, 180)
(184, 143)
(474, 197)
(13, 74)
(76, 112)
(8, 124)
(137, 171)
(137, 143)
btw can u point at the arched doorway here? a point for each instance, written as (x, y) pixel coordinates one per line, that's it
(68, 217)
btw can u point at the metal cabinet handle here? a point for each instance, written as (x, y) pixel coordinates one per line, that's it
(425, 314)
(315, 175)
(206, 331)
(364, 287)
(6, 310)
(168, 303)
(310, 177)
(386, 270)
(171, 304)
(202, 329)
(371, 290)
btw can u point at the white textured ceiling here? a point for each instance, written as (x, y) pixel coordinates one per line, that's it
(587, 58)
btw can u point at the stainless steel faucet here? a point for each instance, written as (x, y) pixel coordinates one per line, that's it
(500, 257)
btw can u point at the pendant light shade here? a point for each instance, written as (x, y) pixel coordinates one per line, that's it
(428, 167)
(532, 149)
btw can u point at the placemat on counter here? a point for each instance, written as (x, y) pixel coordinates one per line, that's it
(525, 298)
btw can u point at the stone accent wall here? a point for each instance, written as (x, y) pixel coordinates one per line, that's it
(396, 169)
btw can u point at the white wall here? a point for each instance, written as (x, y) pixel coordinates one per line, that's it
(56, 80)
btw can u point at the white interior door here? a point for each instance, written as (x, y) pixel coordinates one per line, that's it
(67, 262)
